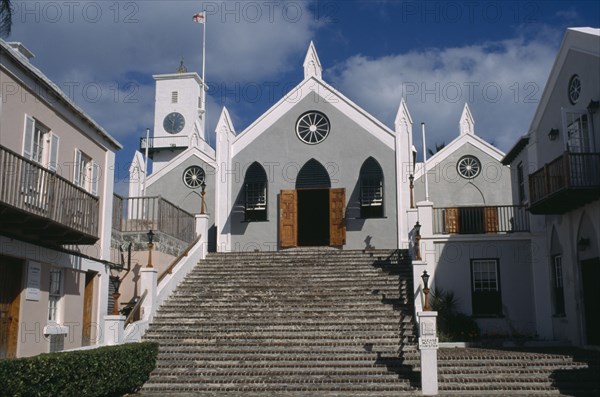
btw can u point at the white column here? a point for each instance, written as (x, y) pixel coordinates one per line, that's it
(202, 226)
(148, 283)
(114, 329)
(202, 230)
(428, 345)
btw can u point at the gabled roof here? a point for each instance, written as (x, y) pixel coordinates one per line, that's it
(585, 40)
(314, 83)
(37, 74)
(466, 135)
(328, 93)
(181, 157)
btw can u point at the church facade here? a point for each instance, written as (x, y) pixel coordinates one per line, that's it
(314, 170)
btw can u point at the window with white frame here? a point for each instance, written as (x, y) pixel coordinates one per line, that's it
(39, 144)
(54, 295)
(40, 147)
(577, 128)
(371, 189)
(485, 287)
(174, 97)
(86, 172)
(255, 192)
(557, 286)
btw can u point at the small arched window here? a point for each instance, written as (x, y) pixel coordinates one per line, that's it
(255, 190)
(371, 189)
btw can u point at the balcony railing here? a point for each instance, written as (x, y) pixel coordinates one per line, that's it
(140, 214)
(480, 220)
(38, 204)
(566, 183)
(164, 142)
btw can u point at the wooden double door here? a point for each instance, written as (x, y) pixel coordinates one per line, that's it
(312, 217)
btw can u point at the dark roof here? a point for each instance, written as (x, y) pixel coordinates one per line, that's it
(515, 150)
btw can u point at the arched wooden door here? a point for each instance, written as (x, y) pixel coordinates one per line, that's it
(288, 218)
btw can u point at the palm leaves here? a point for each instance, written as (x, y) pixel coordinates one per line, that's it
(5, 18)
(438, 147)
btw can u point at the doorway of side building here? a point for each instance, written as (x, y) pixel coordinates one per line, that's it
(88, 307)
(11, 272)
(590, 274)
(313, 217)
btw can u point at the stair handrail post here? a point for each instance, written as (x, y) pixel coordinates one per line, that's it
(148, 283)
(428, 346)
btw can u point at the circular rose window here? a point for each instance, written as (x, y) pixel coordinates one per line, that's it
(312, 127)
(468, 167)
(574, 89)
(193, 176)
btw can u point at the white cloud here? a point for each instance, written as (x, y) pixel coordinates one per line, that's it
(115, 47)
(502, 81)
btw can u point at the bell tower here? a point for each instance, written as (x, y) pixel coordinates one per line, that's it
(179, 116)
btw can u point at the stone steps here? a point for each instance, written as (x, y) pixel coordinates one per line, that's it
(301, 321)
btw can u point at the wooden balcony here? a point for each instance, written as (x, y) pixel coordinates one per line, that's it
(480, 220)
(41, 207)
(568, 182)
(141, 214)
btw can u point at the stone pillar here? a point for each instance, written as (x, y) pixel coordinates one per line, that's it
(428, 345)
(148, 283)
(114, 330)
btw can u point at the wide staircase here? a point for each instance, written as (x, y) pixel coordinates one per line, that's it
(311, 322)
(324, 322)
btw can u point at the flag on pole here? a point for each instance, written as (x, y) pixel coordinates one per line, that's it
(199, 17)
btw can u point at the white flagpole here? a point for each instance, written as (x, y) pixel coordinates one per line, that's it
(203, 49)
(425, 163)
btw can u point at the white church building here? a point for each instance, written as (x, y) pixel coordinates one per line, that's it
(317, 170)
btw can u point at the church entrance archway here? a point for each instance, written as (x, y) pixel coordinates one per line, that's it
(313, 217)
(313, 184)
(313, 213)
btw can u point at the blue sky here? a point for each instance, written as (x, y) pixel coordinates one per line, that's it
(495, 55)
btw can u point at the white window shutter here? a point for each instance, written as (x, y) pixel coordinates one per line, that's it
(28, 137)
(53, 158)
(95, 176)
(77, 177)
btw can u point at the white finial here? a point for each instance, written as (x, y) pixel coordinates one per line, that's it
(312, 65)
(225, 124)
(403, 116)
(466, 124)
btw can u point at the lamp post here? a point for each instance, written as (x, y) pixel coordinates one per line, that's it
(150, 235)
(425, 278)
(116, 283)
(203, 186)
(411, 179)
(418, 241)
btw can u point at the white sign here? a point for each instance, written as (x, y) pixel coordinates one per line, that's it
(428, 327)
(428, 343)
(34, 277)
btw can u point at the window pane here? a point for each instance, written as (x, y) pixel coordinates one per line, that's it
(486, 299)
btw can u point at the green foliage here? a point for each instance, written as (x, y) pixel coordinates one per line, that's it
(453, 326)
(105, 371)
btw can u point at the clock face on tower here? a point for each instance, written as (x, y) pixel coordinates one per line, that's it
(174, 123)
